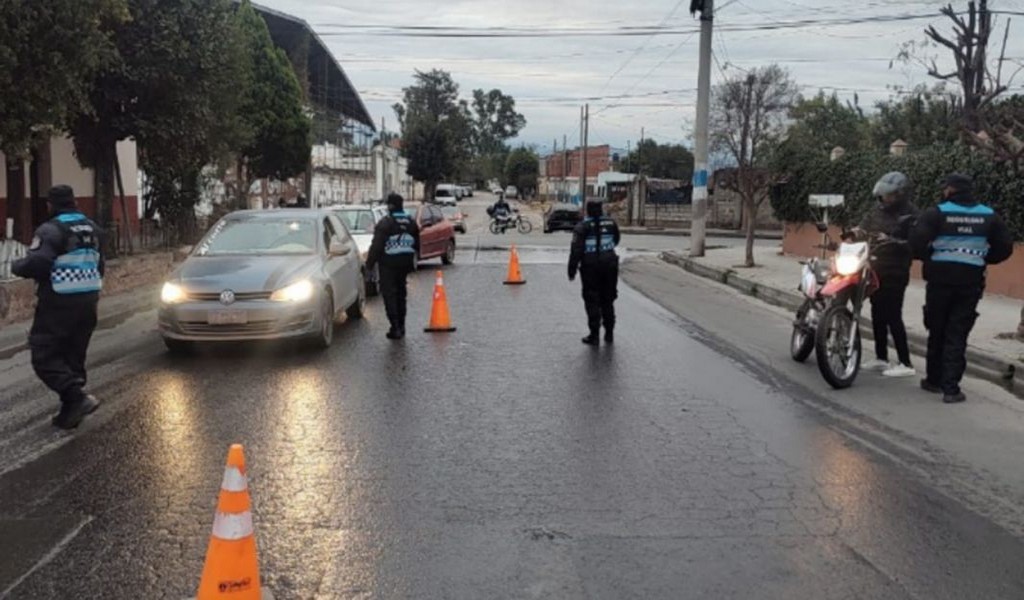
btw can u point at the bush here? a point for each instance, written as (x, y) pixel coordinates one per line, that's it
(998, 185)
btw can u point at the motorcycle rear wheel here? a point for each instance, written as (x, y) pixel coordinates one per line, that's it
(801, 344)
(831, 343)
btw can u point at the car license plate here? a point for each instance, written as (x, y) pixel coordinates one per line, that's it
(227, 317)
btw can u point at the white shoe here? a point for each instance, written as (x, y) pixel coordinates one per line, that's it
(876, 365)
(899, 371)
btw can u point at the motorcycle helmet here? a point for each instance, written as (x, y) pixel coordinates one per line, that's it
(892, 183)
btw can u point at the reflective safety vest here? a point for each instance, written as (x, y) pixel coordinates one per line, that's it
(963, 237)
(600, 235)
(401, 243)
(77, 270)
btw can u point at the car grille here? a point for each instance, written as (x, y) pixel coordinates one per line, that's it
(239, 296)
(253, 328)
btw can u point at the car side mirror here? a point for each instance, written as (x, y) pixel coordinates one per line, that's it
(340, 248)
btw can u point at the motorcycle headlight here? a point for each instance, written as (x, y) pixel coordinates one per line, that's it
(847, 265)
(297, 292)
(172, 294)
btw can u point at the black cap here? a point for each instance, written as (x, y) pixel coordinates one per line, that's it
(957, 181)
(594, 208)
(395, 202)
(61, 196)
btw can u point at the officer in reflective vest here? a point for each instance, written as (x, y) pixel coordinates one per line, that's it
(593, 255)
(396, 243)
(66, 262)
(956, 240)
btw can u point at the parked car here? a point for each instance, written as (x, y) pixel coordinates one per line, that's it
(467, 191)
(446, 194)
(511, 192)
(361, 220)
(261, 275)
(454, 215)
(437, 235)
(562, 217)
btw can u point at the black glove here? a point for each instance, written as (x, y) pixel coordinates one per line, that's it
(572, 274)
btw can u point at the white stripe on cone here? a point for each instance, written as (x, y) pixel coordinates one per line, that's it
(234, 480)
(232, 527)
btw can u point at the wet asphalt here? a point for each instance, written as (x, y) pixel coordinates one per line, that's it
(506, 460)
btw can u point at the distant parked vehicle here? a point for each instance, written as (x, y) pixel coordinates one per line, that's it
(511, 193)
(467, 191)
(562, 217)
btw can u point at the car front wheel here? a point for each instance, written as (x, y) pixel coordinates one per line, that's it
(449, 253)
(325, 337)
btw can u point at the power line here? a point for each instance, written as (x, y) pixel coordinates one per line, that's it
(641, 47)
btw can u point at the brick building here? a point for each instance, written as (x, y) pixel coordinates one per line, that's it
(561, 172)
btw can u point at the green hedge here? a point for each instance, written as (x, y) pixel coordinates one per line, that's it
(854, 176)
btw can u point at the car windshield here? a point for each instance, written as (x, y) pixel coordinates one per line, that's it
(449, 211)
(260, 236)
(357, 221)
(443, 193)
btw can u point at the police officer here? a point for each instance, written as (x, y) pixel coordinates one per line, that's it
(956, 240)
(593, 255)
(66, 262)
(396, 242)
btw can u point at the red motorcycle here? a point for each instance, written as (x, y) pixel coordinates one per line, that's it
(837, 339)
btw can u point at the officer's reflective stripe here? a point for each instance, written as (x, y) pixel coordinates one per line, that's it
(399, 244)
(76, 272)
(71, 217)
(976, 210)
(604, 241)
(234, 480)
(232, 527)
(968, 250)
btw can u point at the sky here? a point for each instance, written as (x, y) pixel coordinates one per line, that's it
(635, 62)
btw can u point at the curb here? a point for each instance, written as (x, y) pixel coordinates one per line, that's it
(668, 232)
(1007, 374)
(129, 305)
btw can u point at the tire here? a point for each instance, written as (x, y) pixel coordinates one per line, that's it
(801, 343)
(179, 347)
(494, 227)
(449, 254)
(525, 227)
(358, 308)
(415, 262)
(836, 320)
(325, 337)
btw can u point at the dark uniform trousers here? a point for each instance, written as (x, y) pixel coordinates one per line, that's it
(949, 314)
(600, 290)
(59, 340)
(394, 292)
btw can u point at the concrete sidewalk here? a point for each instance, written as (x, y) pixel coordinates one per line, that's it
(776, 278)
(112, 310)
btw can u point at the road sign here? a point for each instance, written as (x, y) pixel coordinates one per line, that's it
(826, 200)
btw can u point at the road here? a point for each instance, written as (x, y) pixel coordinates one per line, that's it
(506, 460)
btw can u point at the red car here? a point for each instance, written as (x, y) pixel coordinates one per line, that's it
(437, 234)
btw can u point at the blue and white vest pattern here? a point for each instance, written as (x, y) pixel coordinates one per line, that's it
(77, 271)
(963, 237)
(400, 244)
(600, 236)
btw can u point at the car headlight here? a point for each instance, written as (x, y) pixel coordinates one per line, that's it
(296, 292)
(173, 294)
(847, 265)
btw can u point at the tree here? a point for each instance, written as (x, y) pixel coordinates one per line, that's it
(435, 128)
(272, 108)
(170, 83)
(922, 118)
(822, 123)
(522, 169)
(748, 116)
(495, 121)
(49, 52)
(664, 161)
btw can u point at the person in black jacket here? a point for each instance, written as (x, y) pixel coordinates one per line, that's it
(889, 222)
(956, 240)
(65, 261)
(396, 241)
(593, 255)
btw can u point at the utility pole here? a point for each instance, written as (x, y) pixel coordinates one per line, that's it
(565, 165)
(700, 172)
(586, 143)
(640, 152)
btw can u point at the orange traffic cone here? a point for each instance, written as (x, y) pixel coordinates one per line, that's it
(515, 275)
(231, 570)
(440, 319)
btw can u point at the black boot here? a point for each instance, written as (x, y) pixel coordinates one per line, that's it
(954, 398)
(593, 339)
(74, 411)
(609, 335)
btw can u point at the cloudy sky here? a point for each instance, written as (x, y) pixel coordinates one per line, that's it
(635, 61)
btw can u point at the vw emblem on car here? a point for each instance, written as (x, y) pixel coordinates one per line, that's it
(227, 297)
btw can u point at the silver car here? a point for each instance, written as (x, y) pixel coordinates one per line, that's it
(260, 275)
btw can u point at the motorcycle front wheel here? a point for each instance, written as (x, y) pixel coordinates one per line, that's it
(838, 355)
(525, 227)
(801, 344)
(495, 228)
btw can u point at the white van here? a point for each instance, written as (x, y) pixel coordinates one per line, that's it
(447, 194)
